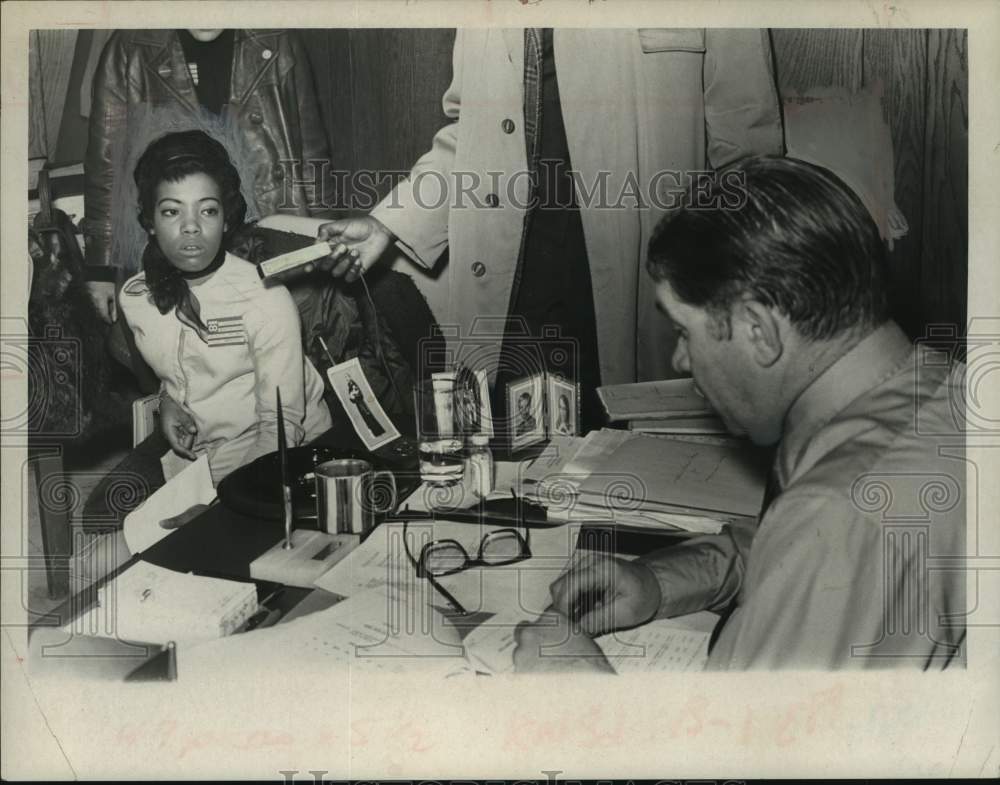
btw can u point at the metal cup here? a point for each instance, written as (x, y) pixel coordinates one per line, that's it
(347, 496)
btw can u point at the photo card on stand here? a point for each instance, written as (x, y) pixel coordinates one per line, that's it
(369, 419)
(525, 411)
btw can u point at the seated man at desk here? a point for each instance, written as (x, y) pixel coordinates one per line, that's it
(780, 302)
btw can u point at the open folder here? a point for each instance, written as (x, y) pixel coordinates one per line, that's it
(645, 472)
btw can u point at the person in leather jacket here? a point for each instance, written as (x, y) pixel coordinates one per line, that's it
(256, 82)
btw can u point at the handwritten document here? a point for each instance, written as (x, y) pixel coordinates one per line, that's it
(381, 562)
(521, 588)
(375, 630)
(679, 644)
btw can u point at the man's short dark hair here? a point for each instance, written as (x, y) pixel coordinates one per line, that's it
(785, 233)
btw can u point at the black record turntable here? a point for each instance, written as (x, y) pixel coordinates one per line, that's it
(255, 489)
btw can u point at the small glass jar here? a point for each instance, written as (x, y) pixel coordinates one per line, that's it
(479, 466)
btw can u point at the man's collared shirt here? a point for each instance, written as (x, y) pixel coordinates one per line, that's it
(858, 560)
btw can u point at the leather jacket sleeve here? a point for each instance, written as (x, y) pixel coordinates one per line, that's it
(107, 130)
(301, 107)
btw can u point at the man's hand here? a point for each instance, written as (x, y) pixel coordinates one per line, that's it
(603, 593)
(103, 295)
(552, 643)
(355, 245)
(178, 427)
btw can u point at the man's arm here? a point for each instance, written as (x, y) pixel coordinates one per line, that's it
(703, 573)
(742, 113)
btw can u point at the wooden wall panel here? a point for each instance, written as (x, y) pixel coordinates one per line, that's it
(38, 144)
(895, 64)
(329, 76)
(921, 76)
(817, 58)
(432, 69)
(55, 56)
(944, 260)
(381, 90)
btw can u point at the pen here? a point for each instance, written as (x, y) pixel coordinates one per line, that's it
(585, 602)
(327, 350)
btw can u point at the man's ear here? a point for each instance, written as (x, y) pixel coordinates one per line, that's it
(763, 331)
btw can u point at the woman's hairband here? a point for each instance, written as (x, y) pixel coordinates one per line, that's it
(181, 157)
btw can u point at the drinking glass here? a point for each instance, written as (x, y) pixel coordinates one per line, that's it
(439, 435)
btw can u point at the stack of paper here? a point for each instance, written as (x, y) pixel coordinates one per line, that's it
(156, 605)
(674, 406)
(646, 482)
(667, 399)
(701, 425)
(677, 477)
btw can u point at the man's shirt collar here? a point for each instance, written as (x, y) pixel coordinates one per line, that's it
(876, 358)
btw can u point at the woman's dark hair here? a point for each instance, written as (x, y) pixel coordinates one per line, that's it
(170, 159)
(783, 232)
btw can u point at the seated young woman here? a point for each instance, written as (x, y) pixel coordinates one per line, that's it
(220, 341)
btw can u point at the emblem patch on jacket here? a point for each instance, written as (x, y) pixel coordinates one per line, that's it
(225, 331)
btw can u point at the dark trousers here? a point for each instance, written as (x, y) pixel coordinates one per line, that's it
(126, 486)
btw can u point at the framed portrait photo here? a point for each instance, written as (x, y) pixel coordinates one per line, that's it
(369, 419)
(525, 411)
(563, 409)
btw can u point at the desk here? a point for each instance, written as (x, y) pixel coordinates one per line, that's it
(222, 542)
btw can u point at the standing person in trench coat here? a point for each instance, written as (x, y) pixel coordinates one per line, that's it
(641, 109)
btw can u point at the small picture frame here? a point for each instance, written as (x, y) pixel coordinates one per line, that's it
(473, 413)
(563, 407)
(526, 411)
(369, 419)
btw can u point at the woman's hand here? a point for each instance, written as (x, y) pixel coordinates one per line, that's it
(178, 427)
(102, 293)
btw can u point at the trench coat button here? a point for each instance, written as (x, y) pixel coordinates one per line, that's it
(478, 269)
(256, 117)
(266, 54)
(507, 125)
(492, 200)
